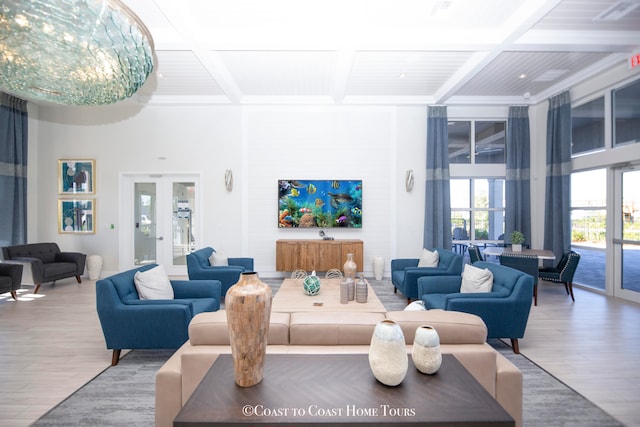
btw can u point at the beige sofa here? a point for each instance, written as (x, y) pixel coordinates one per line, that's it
(461, 334)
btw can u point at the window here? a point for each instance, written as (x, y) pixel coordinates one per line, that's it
(589, 225)
(487, 144)
(477, 209)
(587, 127)
(626, 113)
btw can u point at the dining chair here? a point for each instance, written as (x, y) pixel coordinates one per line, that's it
(563, 272)
(525, 263)
(475, 254)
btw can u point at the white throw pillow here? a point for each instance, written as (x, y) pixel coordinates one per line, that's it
(415, 306)
(429, 259)
(217, 259)
(153, 284)
(476, 279)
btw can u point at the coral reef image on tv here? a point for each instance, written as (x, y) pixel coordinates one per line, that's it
(319, 203)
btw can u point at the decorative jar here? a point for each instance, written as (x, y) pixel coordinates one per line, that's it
(248, 307)
(388, 357)
(425, 352)
(311, 284)
(362, 290)
(350, 267)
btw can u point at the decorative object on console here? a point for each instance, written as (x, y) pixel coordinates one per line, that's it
(517, 239)
(311, 284)
(388, 357)
(248, 307)
(425, 351)
(228, 180)
(97, 52)
(333, 273)
(409, 180)
(94, 266)
(378, 267)
(350, 267)
(298, 274)
(319, 203)
(362, 289)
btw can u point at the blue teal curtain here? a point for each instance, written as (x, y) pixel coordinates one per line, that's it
(518, 183)
(13, 170)
(437, 209)
(557, 218)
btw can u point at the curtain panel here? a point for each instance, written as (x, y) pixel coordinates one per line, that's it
(518, 181)
(437, 210)
(557, 218)
(13, 170)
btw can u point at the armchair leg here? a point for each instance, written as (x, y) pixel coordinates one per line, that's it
(14, 295)
(535, 294)
(115, 357)
(515, 346)
(37, 288)
(395, 290)
(78, 279)
(570, 288)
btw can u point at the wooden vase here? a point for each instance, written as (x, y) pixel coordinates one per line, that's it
(248, 307)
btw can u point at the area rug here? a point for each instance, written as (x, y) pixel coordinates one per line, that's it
(124, 395)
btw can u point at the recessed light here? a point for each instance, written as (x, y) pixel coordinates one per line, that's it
(522, 75)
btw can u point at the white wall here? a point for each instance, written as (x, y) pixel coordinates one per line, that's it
(261, 145)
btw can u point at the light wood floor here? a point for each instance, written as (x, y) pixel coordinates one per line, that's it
(52, 345)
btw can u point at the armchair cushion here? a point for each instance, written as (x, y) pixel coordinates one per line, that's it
(429, 258)
(153, 284)
(217, 260)
(476, 279)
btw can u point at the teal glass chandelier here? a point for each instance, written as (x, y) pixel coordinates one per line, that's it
(72, 52)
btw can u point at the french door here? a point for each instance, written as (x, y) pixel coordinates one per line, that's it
(160, 222)
(627, 233)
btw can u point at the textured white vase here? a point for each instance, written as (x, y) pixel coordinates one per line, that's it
(378, 267)
(425, 352)
(94, 266)
(388, 357)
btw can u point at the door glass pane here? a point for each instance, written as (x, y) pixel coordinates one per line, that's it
(488, 199)
(631, 230)
(589, 225)
(145, 225)
(183, 201)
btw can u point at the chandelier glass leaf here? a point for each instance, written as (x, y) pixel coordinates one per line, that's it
(74, 52)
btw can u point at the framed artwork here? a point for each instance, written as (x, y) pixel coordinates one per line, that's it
(77, 216)
(76, 176)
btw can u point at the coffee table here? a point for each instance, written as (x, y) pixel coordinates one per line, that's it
(340, 390)
(291, 298)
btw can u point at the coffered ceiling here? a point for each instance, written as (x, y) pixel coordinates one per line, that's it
(381, 52)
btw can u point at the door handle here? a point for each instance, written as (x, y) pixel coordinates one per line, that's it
(160, 238)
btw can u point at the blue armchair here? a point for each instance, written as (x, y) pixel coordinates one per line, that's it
(505, 310)
(199, 268)
(129, 322)
(405, 271)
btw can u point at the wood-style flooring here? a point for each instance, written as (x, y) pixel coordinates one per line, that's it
(52, 344)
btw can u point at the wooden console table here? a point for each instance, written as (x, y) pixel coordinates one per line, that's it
(317, 254)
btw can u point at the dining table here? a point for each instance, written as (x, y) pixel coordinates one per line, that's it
(544, 254)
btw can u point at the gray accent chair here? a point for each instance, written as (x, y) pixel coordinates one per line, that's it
(10, 278)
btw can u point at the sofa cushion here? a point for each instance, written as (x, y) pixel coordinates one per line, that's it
(332, 328)
(453, 327)
(476, 279)
(153, 284)
(429, 258)
(211, 329)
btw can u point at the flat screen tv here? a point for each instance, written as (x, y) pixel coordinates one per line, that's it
(319, 203)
